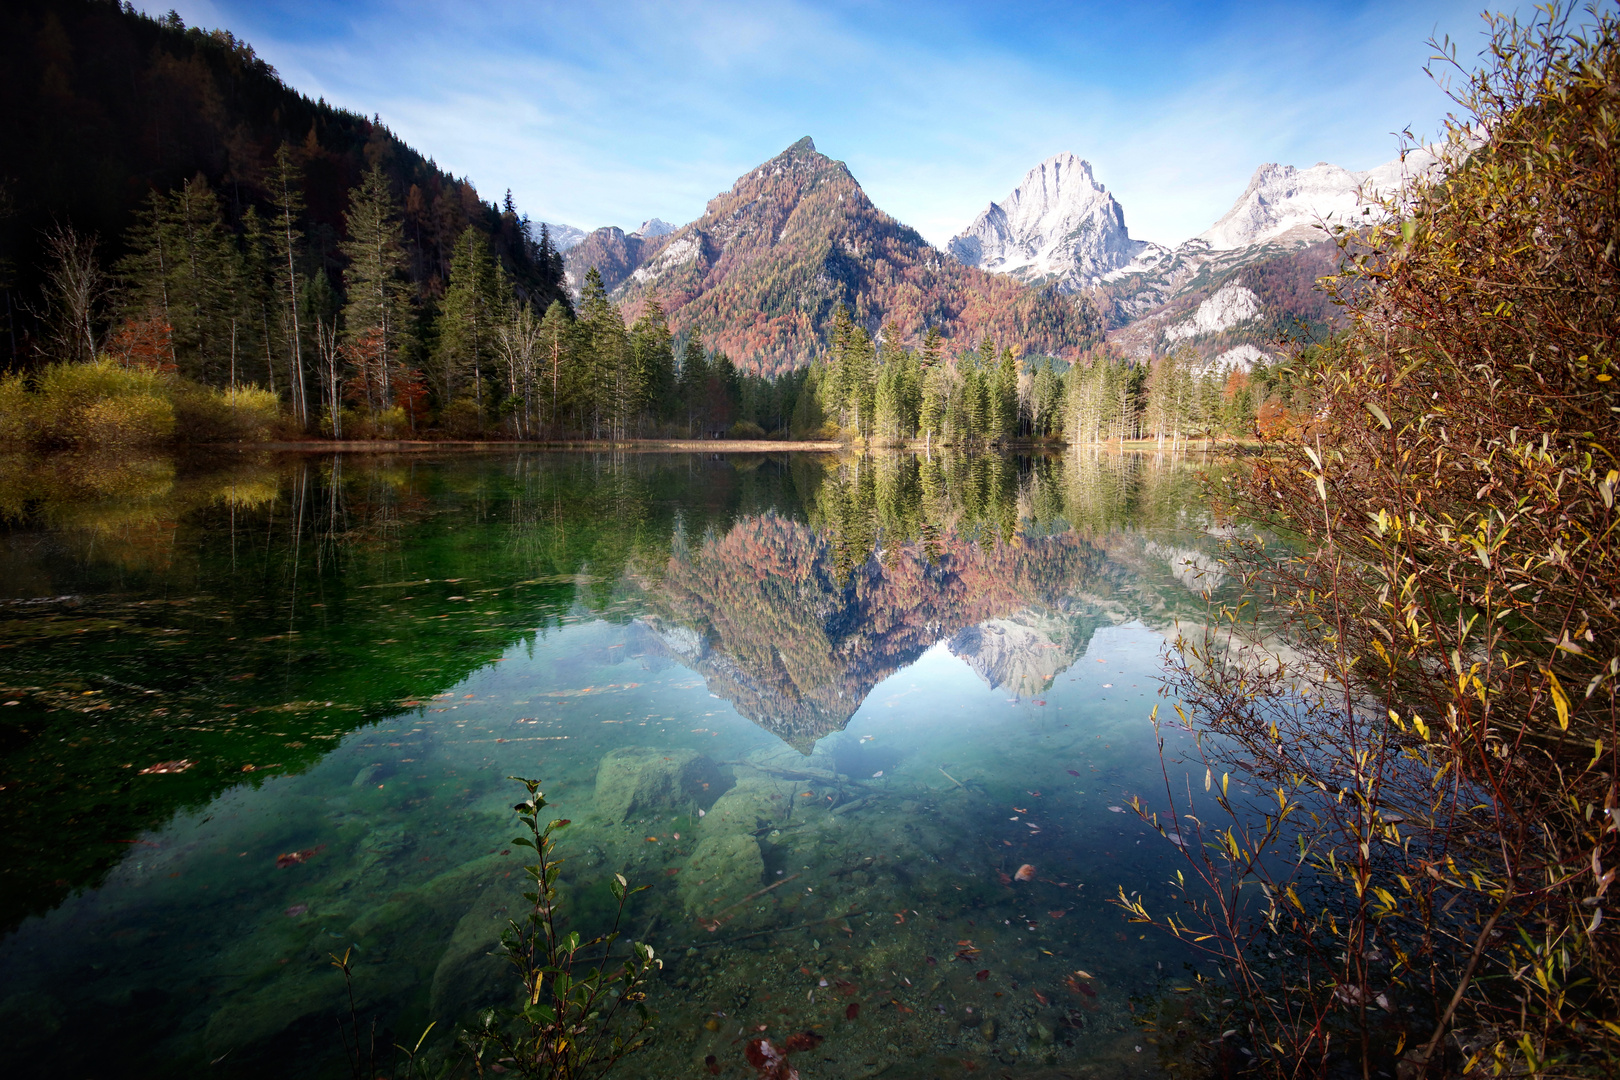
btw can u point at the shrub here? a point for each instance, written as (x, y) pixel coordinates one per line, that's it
(745, 429)
(206, 415)
(1435, 718)
(460, 419)
(100, 404)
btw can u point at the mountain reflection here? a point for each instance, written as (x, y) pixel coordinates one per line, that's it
(243, 618)
(794, 624)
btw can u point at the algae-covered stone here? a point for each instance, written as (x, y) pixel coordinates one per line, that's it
(639, 780)
(751, 807)
(474, 972)
(723, 869)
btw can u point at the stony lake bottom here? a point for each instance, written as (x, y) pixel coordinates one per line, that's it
(262, 710)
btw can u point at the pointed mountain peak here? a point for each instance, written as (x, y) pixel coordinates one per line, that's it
(806, 145)
(1058, 223)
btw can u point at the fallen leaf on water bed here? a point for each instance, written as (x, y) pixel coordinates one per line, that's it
(982, 976)
(852, 1010)
(709, 1062)
(296, 910)
(1058, 914)
(1037, 701)
(1040, 997)
(1117, 809)
(1025, 873)
(805, 1040)
(293, 858)
(167, 767)
(1071, 772)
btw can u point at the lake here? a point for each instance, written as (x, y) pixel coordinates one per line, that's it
(262, 710)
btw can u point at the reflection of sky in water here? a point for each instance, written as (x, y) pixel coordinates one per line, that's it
(885, 846)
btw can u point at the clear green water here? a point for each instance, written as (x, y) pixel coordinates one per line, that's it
(874, 687)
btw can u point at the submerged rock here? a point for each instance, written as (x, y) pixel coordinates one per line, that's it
(753, 806)
(474, 972)
(725, 868)
(642, 780)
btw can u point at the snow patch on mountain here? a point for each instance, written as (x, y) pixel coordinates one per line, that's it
(1058, 223)
(1230, 305)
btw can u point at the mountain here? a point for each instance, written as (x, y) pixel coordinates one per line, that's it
(563, 237)
(653, 228)
(1233, 292)
(760, 273)
(1058, 225)
(1282, 201)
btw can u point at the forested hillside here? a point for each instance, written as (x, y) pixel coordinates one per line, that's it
(105, 107)
(762, 271)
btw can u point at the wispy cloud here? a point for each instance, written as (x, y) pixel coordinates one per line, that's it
(609, 114)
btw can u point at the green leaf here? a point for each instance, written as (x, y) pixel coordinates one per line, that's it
(1379, 414)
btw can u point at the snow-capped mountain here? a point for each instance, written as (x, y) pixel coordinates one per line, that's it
(653, 228)
(563, 237)
(1058, 224)
(1281, 199)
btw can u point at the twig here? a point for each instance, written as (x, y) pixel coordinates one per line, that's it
(952, 779)
(783, 930)
(752, 896)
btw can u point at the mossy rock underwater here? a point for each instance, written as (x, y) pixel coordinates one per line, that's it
(639, 780)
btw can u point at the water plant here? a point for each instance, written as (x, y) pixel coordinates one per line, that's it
(580, 1014)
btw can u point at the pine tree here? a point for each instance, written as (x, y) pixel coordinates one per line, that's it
(652, 348)
(693, 381)
(558, 364)
(610, 387)
(375, 316)
(476, 301)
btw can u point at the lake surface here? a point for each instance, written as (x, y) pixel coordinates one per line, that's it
(260, 711)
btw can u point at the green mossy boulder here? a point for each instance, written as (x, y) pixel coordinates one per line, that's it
(724, 868)
(639, 781)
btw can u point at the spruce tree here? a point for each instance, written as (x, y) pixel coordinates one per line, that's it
(476, 300)
(694, 381)
(375, 318)
(611, 387)
(559, 369)
(652, 347)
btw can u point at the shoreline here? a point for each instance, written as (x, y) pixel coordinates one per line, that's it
(654, 446)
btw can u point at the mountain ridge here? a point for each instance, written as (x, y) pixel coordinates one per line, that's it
(761, 271)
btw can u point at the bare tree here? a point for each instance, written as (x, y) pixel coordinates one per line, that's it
(74, 289)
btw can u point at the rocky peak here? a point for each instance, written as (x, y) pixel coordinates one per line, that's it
(653, 228)
(1287, 203)
(1058, 223)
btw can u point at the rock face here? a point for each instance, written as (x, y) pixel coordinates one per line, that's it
(1230, 305)
(1058, 225)
(652, 228)
(1282, 200)
(639, 780)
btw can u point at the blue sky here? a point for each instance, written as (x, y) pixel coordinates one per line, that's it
(609, 113)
